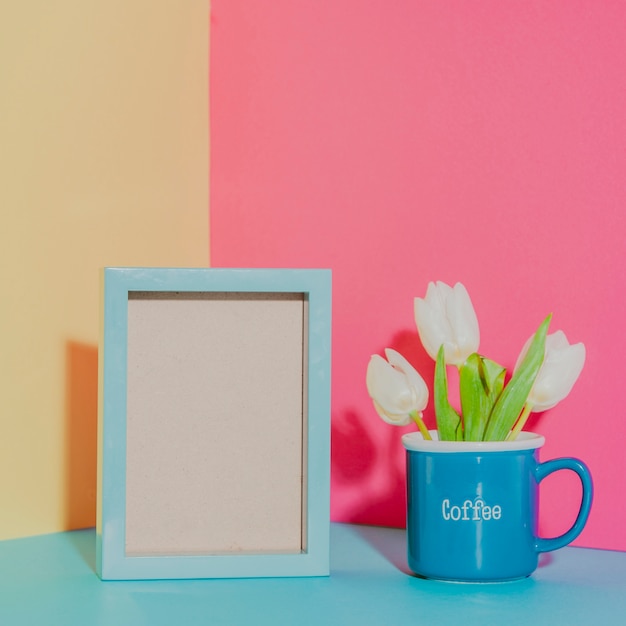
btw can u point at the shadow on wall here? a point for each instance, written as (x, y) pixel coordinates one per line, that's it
(371, 473)
(81, 432)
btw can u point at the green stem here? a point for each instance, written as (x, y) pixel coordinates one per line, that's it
(417, 418)
(528, 407)
(461, 418)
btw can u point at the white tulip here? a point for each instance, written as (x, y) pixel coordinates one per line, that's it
(397, 389)
(446, 317)
(560, 369)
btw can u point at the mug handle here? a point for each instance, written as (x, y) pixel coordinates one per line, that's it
(575, 465)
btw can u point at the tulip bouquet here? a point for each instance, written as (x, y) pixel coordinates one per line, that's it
(545, 372)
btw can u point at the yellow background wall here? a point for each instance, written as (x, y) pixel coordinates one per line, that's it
(103, 161)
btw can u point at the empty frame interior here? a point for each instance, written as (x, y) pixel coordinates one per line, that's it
(216, 423)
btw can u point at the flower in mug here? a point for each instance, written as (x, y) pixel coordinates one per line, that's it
(491, 409)
(399, 393)
(562, 365)
(446, 317)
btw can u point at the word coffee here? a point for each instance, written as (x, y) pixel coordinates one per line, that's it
(470, 511)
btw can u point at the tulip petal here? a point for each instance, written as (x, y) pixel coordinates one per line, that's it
(557, 377)
(464, 321)
(416, 383)
(387, 385)
(395, 387)
(446, 316)
(391, 418)
(431, 327)
(561, 368)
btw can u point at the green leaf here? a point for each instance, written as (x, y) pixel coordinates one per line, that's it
(481, 382)
(513, 398)
(448, 420)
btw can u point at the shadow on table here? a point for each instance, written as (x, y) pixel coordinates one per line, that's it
(390, 545)
(84, 542)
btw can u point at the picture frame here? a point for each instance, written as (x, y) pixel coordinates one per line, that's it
(213, 423)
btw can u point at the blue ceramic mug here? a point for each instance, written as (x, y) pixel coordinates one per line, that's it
(472, 507)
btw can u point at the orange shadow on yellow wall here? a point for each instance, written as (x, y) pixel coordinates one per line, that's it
(81, 434)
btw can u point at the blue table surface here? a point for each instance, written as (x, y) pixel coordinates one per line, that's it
(51, 579)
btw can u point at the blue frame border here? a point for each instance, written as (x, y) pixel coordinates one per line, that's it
(116, 283)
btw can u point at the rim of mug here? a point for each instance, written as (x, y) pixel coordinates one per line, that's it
(525, 441)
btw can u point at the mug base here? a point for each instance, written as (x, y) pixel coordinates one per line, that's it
(473, 581)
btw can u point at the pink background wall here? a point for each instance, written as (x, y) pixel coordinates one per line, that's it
(404, 142)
